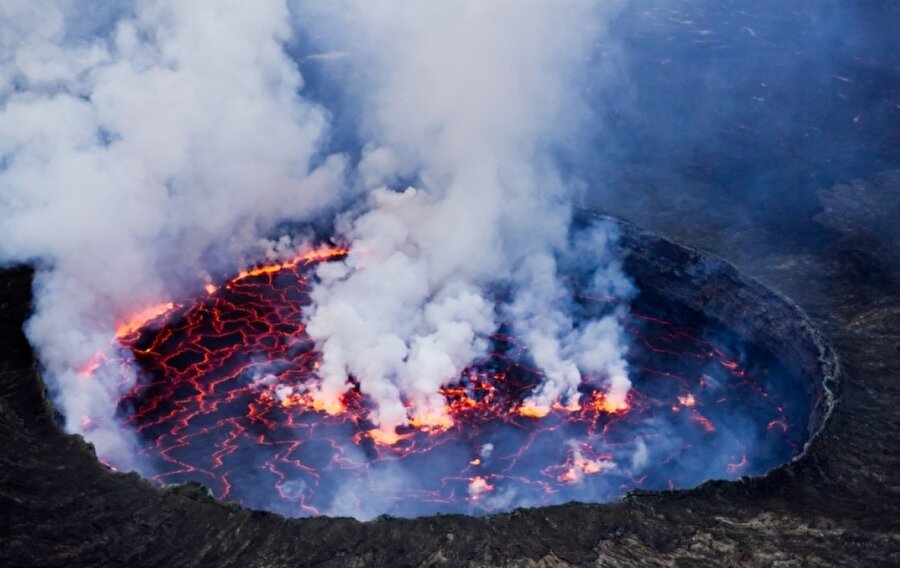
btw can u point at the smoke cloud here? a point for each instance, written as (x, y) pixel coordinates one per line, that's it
(465, 104)
(140, 158)
(149, 148)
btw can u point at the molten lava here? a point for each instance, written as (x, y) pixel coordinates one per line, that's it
(224, 396)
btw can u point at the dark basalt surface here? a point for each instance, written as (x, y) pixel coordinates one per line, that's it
(839, 503)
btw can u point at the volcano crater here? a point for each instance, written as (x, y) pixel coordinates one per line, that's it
(701, 288)
(726, 382)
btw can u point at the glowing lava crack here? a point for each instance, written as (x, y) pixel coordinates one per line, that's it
(223, 397)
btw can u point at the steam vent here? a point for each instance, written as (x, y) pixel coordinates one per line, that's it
(449, 283)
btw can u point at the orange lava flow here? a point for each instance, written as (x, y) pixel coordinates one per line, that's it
(142, 317)
(316, 255)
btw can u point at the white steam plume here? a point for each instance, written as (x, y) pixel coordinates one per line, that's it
(132, 164)
(469, 100)
(137, 159)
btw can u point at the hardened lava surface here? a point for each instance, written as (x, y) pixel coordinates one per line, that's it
(836, 503)
(222, 397)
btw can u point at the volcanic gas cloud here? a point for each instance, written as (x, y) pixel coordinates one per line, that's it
(462, 349)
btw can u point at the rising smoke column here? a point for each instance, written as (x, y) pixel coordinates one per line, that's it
(142, 155)
(136, 157)
(469, 100)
